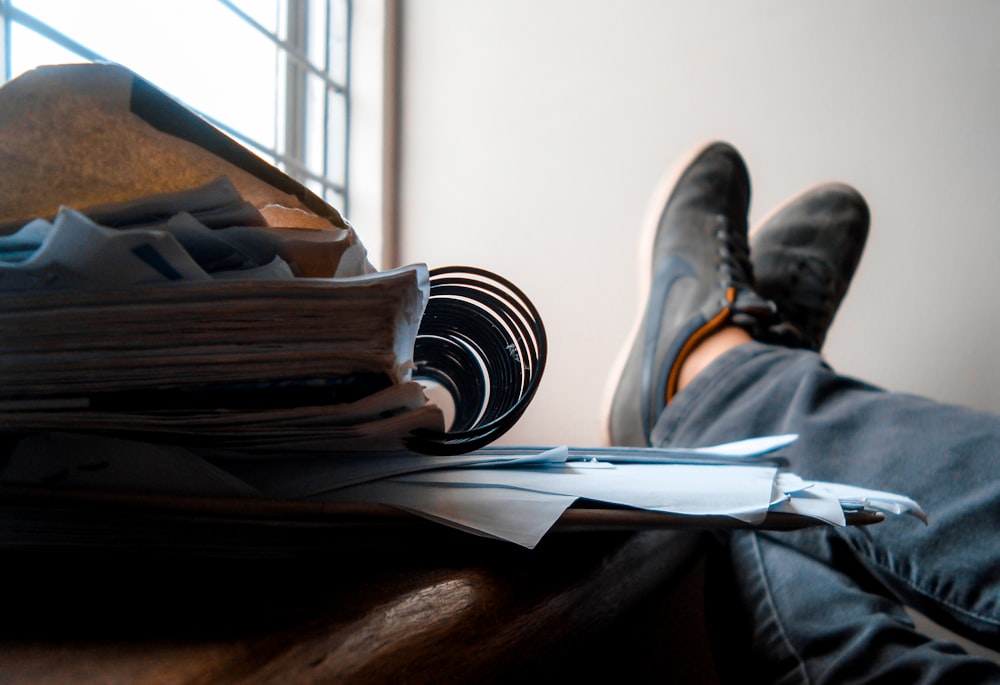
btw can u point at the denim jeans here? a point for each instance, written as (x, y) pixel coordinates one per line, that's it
(826, 604)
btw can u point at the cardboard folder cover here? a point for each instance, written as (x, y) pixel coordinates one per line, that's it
(89, 135)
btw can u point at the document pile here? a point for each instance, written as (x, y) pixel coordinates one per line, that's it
(160, 282)
(180, 319)
(187, 331)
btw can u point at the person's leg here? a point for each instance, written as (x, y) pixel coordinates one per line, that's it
(946, 457)
(849, 431)
(804, 620)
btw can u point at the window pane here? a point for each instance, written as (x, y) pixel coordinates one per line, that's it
(315, 120)
(316, 34)
(336, 199)
(337, 120)
(200, 52)
(264, 12)
(339, 27)
(33, 50)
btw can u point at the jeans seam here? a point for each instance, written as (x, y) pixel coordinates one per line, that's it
(935, 597)
(772, 607)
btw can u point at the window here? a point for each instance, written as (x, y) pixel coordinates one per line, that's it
(273, 74)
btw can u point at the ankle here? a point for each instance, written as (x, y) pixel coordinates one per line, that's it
(708, 350)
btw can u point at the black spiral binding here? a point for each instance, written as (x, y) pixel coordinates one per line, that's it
(483, 342)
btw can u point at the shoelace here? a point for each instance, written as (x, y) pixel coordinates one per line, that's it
(750, 310)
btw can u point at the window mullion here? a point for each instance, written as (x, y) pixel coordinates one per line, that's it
(296, 114)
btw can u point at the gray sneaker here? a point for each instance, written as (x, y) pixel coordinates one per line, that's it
(697, 279)
(804, 255)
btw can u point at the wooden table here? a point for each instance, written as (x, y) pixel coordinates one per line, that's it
(166, 590)
(591, 607)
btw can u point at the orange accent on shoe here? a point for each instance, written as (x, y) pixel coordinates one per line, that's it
(708, 329)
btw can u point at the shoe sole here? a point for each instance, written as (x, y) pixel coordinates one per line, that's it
(647, 238)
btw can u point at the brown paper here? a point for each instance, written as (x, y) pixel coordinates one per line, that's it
(90, 134)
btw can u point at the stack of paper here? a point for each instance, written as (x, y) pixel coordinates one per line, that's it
(168, 328)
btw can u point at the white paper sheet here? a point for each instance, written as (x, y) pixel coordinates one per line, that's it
(743, 491)
(519, 516)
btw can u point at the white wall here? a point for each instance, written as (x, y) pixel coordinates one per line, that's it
(534, 130)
